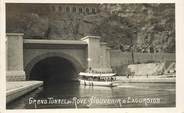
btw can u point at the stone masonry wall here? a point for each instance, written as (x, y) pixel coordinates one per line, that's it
(120, 60)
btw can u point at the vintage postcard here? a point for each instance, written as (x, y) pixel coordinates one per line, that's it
(90, 55)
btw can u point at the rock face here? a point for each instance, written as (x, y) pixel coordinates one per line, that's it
(141, 27)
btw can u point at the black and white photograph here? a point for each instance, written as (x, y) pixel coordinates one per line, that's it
(90, 55)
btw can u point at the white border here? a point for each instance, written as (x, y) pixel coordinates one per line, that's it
(179, 60)
(90, 1)
(2, 57)
(180, 55)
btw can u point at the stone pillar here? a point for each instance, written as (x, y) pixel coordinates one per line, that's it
(93, 51)
(108, 61)
(15, 69)
(103, 56)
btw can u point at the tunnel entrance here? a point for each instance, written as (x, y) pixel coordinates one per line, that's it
(53, 71)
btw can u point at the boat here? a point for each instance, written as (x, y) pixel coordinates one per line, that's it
(97, 79)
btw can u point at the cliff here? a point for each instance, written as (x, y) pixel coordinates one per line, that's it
(142, 27)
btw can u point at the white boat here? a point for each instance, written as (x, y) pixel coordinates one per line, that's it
(97, 74)
(97, 79)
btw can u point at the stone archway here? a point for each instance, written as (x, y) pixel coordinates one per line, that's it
(61, 59)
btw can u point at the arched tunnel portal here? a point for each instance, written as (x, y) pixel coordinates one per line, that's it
(53, 69)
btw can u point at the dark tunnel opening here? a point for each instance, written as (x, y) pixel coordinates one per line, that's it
(53, 71)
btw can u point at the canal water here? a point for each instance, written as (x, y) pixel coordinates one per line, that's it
(74, 95)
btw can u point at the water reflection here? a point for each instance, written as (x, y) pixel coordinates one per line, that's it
(60, 89)
(125, 91)
(94, 97)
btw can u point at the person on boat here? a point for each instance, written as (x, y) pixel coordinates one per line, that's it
(106, 78)
(127, 75)
(114, 78)
(111, 79)
(90, 78)
(90, 69)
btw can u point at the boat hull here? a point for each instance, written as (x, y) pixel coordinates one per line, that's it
(97, 83)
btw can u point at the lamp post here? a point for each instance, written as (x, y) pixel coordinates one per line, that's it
(89, 64)
(132, 51)
(132, 46)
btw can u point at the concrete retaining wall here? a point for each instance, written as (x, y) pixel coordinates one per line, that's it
(145, 80)
(119, 58)
(147, 69)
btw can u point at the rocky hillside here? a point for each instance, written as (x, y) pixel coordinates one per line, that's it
(142, 27)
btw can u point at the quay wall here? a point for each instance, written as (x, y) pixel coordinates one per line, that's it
(17, 89)
(121, 60)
